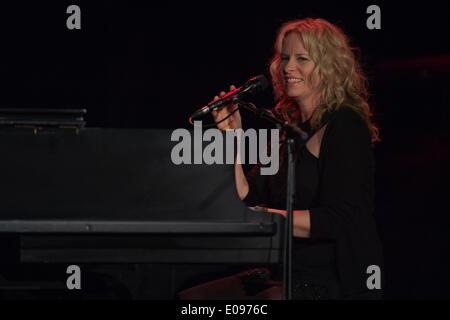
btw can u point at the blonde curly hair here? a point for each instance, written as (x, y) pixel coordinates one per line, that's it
(343, 82)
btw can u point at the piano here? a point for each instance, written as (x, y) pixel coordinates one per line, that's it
(114, 196)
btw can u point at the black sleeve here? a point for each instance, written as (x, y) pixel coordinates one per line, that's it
(346, 185)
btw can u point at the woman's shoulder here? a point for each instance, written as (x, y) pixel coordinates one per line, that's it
(346, 127)
(349, 120)
(346, 114)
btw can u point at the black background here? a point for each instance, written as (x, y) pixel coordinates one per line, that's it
(135, 65)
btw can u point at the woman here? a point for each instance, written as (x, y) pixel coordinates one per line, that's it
(320, 87)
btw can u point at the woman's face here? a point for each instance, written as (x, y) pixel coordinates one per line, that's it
(297, 66)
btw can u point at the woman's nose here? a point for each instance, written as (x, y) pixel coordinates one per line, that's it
(289, 66)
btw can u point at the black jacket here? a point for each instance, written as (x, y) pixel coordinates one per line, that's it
(342, 206)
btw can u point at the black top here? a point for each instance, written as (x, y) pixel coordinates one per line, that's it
(338, 190)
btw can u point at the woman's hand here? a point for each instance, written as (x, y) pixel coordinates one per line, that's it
(234, 121)
(302, 221)
(231, 123)
(276, 211)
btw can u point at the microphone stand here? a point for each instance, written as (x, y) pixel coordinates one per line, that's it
(292, 131)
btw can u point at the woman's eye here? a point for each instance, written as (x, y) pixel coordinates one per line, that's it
(299, 59)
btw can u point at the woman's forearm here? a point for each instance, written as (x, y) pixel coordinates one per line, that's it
(241, 181)
(302, 222)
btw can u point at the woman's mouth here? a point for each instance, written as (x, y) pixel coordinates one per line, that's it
(293, 80)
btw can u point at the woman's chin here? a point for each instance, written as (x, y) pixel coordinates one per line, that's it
(295, 95)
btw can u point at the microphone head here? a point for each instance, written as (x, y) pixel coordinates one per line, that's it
(255, 84)
(258, 83)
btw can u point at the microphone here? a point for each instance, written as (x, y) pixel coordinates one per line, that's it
(255, 84)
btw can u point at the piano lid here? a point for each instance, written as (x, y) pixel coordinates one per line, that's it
(110, 174)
